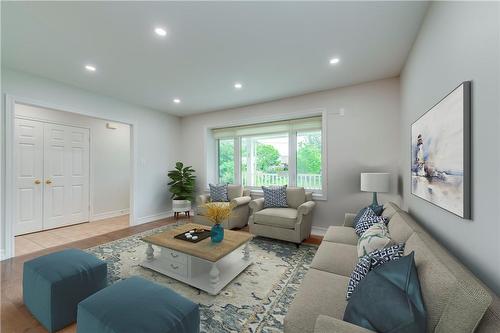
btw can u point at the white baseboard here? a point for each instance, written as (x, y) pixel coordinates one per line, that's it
(108, 215)
(318, 231)
(155, 217)
(2, 254)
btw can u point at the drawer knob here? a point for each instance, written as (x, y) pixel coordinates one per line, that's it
(174, 266)
(174, 255)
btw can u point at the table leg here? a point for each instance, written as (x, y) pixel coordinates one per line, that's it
(150, 252)
(214, 274)
(246, 251)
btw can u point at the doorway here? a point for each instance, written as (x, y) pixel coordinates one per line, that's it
(72, 177)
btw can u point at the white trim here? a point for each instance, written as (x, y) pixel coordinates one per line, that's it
(318, 231)
(108, 215)
(154, 217)
(10, 101)
(2, 254)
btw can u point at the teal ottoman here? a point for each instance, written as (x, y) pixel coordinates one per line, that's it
(54, 284)
(136, 305)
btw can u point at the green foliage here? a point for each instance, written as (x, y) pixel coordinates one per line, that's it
(309, 155)
(226, 161)
(182, 182)
(267, 159)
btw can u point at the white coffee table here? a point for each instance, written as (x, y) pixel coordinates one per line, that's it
(204, 265)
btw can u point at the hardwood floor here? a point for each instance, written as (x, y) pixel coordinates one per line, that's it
(15, 318)
(37, 241)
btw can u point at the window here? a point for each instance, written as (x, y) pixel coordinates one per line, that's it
(225, 152)
(278, 153)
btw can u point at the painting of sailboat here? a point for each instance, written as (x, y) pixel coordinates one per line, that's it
(440, 145)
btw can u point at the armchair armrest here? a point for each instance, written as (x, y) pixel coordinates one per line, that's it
(240, 201)
(349, 219)
(257, 204)
(306, 207)
(202, 199)
(326, 324)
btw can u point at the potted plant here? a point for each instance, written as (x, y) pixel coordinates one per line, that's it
(182, 187)
(217, 213)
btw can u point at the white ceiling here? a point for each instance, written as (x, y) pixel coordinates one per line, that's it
(276, 50)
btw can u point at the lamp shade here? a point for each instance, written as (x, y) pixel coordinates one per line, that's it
(375, 182)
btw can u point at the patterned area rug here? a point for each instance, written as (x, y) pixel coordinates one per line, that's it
(256, 301)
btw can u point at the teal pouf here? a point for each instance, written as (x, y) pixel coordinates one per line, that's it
(136, 305)
(54, 284)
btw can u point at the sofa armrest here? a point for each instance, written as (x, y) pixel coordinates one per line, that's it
(326, 324)
(240, 201)
(349, 219)
(306, 208)
(202, 199)
(257, 204)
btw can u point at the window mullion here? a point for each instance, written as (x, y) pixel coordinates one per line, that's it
(237, 160)
(292, 158)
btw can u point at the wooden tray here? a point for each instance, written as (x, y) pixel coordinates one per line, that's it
(201, 233)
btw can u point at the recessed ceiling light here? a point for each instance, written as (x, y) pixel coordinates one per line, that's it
(177, 100)
(334, 61)
(238, 85)
(90, 68)
(160, 32)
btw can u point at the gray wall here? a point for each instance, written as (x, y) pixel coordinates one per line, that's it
(460, 41)
(365, 139)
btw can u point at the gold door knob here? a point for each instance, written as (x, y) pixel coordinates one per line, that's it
(37, 181)
(48, 181)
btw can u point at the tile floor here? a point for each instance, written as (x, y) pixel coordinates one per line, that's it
(37, 241)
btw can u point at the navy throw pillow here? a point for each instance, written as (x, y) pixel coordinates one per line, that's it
(218, 193)
(389, 299)
(370, 261)
(358, 216)
(275, 196)
(368, 219)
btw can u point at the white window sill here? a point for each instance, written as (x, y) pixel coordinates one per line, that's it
(258, 193)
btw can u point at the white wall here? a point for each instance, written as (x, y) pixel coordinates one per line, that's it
(365, 139)
(155, 135)
(460, 41)
(109, 158)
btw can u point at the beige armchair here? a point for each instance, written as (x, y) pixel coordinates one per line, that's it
(291, 224)
(238, 197)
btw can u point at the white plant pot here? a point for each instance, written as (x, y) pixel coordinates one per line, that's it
(181, 206)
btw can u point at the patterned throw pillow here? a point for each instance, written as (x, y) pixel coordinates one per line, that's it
(358, 216)
(275, 196)
(371, 261)
(376, 237)
(368, 219)
(218, 193)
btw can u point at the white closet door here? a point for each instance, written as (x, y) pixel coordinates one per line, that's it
(66, 175)
(29, 175)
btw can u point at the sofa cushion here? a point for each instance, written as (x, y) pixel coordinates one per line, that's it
(368, 219)
(335, 258)
(218, 193)
(390, 208)
(275, 196)
(234, 191)
(276, 217)
(295, 196)
(399, 230)
(389, 299)
(450, 303)
(376, 237)
(320, 293)
(344, 235)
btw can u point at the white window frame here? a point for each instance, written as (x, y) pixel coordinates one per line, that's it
(318, 194)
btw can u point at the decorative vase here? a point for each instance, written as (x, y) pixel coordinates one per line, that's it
(217, 233)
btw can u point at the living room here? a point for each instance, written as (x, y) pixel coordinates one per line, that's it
(254, 138)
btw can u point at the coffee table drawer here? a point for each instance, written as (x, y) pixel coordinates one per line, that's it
(177, 268)
(174, 256)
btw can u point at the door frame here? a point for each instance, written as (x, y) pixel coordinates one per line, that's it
(10, 183)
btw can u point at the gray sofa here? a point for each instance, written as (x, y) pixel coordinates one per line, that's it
(292, 224)
(455, 300)
(238, 197)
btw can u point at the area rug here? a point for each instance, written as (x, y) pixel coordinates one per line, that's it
(256, 301)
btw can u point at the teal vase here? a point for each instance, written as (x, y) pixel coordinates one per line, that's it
(217, 233)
